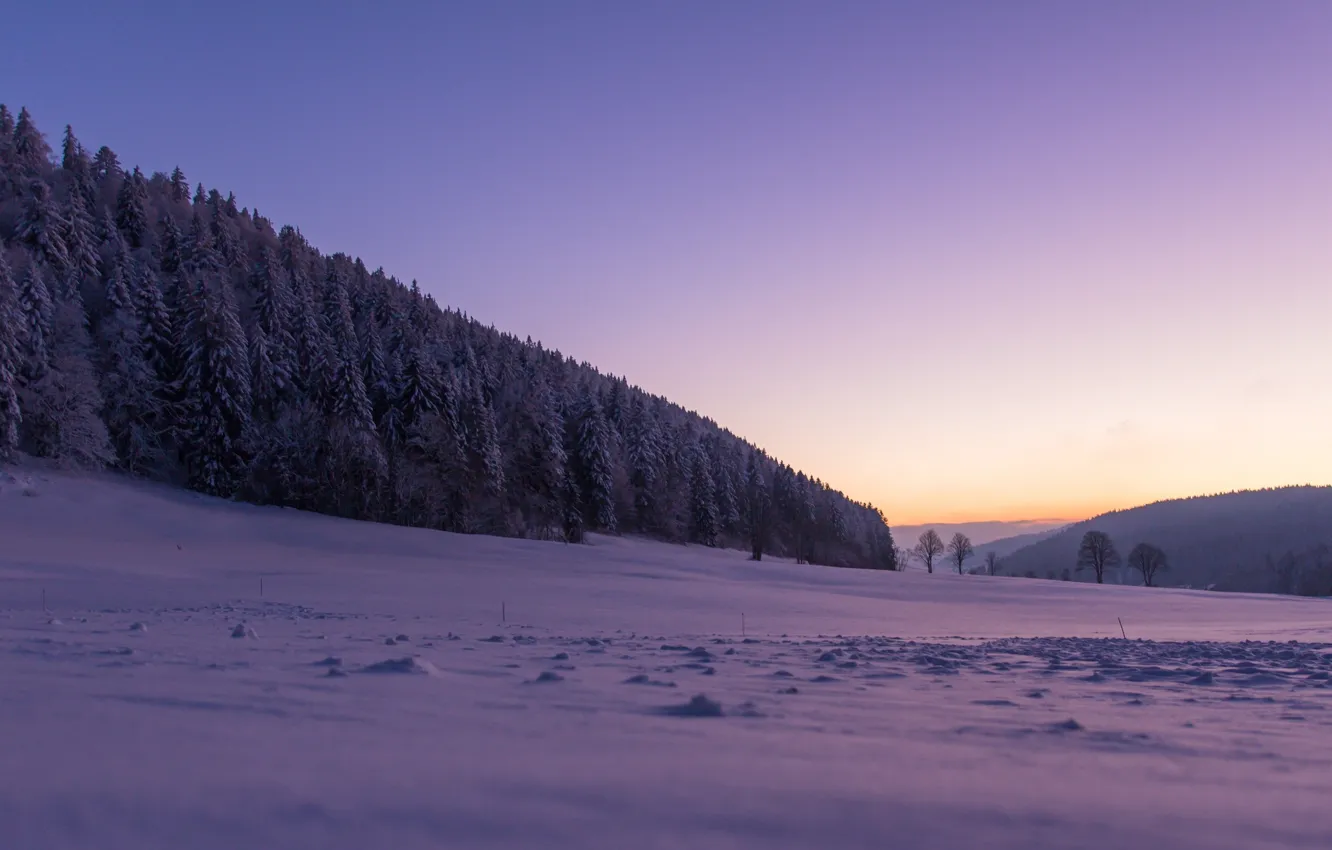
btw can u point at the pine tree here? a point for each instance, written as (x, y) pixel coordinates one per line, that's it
(703, 500)
(79, 237)
(38, 311)
(644, 452)
(593, 463)
(106, 166)
(537, 460)
(758, 501)
(31, 152)
(170, 247)
(41, 228)
(216, 385)
(178, 189)
(72, 156)
(130, 383)
(62, 407)
(132, 209)
(11, 362)
(6, 139)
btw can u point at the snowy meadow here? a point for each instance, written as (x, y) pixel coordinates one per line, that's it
(179, 671)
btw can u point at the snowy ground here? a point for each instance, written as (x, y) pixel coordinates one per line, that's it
(857, 710)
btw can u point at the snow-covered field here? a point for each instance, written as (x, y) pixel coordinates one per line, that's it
(375, 697)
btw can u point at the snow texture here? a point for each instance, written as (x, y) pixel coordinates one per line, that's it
(617, 703)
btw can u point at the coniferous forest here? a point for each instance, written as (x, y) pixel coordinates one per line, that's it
(166, 331)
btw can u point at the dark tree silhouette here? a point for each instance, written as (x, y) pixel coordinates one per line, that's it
(1097, 553)
(929, 547)
(1148, 560)
(991, 564)
(959, 549)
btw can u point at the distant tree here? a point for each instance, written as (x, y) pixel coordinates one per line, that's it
(959, 549)
(1148, 560)
(991, 563)
(929, 547)
(1098, 554)
(901, 558)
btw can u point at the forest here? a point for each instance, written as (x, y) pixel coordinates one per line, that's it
(166, 331)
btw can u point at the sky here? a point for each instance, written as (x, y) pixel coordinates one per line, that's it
(962, 260)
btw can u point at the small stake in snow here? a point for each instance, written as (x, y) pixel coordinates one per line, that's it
(504, 613)
(1121, 627)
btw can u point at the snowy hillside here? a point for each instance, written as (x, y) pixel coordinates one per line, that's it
(374, 695)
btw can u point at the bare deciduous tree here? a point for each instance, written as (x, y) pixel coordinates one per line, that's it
(959, 549)
(901, 557)
(929, 547)
(1148, 560)
(1097, 553)
(991, 564)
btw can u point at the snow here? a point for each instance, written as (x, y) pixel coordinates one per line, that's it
(620, 706)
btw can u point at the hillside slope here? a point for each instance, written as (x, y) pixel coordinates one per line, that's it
(171, 332)
(401, 687)
(1236, 541)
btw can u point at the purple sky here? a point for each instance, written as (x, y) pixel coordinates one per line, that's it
(964, 260)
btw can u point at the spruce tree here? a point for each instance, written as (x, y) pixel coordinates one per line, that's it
(38, 311)
(62, 407)
(41, 228)
(593, 463)
(31, 152)
(11, 362)
(132, 209)
(170, 247)
(216, 386)
(703, 500)
(178, 189)
(106, 166)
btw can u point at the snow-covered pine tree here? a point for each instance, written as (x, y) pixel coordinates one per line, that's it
(32, 154)
(758, 502)
(6, 142)
(38, 311)
(11, 361)
(41, 228)
(80, 238)
(130, 383)
(61, 408)
(702, 499)
(170, 247)
(216, 386)
(537, 460)
(593, 462)
(644, 454)
(178, 188)
(106, 167)
(132, 209)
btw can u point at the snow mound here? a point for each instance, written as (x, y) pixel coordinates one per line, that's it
(699, 706)
(411, 665)
(243, 630)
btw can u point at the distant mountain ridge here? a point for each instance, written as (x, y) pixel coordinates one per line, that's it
(981, 532)
(1253, 540)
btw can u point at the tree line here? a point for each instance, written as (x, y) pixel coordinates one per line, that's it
(1097, 554)
(169, 332)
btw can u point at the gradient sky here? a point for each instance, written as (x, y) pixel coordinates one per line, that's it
(965, 260)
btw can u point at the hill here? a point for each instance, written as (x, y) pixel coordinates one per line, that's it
(175, 334)
(987, 532)
(213, 674)
(1262, 540)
